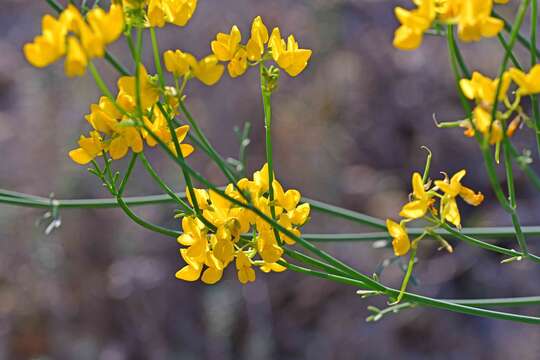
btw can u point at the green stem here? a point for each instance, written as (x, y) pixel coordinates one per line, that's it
(187, 177)
(507, 53)
(267, 107)
(512, 196)
(532, 50)
(520, 38)
(481, 244)
(307, 245)
(174, 196)
(423, 300)
(157, 59)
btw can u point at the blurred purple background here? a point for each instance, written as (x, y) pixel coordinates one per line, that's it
(347, 131)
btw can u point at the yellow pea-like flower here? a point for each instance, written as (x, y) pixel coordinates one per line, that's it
(288, 55)
(209, 70)
(257, 41)
(528, 83)
(125, 138)
(179, 63)
(89, 148)
(226, 45)
(238, 64)
(418, 207)
(72, 36)
(400, 238)
(413, 25)
(452, 189)
(76, 59)
(177, 12)
(483, 89)
(109, 25)
(190, 272)
(246, 273)
(103, 116)
(275, 267)
(149, 92)
(49, 46)
(475, 20)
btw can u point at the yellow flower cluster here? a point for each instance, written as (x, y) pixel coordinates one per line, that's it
(472, 17)
(113, 130)
(208, 252)
(422, 204)
(77, 39)
(483, 91)
(229, 48)
(156, 13)
(288, 56)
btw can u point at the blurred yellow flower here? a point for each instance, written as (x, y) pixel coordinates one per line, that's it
(72, 36)
(528, 83)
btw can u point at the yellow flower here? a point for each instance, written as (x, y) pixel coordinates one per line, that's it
(418, 207)
(275, 267)
(452, 189)
(76, 59)
(288, 55)
(73, 36)
(483, 122)
(159, 127)
(483, 89)
(238, 64)
(124, 138)
(103, 116)
(226, 45)
(259, 37)
(413, 25)
(400, 238)
(246, 273)
(177, 12)
(528, 83)
(179, 63)
(149, 92)
(208, 70)
(89, 148)
(218, 245)
(108, 26)
(49, 46)
(475, 20)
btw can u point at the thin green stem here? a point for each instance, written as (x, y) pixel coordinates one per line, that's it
(174, 196)
(512, 196)
(422, 300)
(520, 38)
(267, 107)
(157, 59)
(508, 51)
(484, 245)
(532, 50)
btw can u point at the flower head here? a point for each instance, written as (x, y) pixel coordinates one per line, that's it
(227, 240)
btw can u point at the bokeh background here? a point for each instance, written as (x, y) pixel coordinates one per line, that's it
(347, 131)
